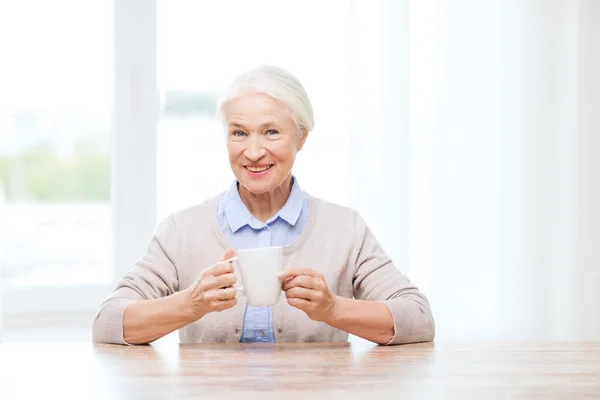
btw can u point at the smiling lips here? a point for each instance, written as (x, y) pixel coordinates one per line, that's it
(258, 168)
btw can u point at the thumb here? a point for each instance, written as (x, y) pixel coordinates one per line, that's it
(227, 255)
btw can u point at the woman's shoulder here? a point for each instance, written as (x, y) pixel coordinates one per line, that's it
(190, 216)
(334, 215)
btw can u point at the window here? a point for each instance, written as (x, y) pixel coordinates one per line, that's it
(56, 79)
(85, 168)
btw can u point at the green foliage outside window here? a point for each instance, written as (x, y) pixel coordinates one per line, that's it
(39, 174)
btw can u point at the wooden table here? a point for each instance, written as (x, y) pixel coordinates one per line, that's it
(301, 371)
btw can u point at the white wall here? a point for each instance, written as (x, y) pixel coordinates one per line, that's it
(379, 152)
(504, 167)
(136, 110)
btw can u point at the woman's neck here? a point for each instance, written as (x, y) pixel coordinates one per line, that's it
(263, 206)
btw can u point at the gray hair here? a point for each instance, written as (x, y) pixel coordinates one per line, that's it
(278, 84)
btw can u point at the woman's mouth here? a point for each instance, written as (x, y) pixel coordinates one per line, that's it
(258, 169)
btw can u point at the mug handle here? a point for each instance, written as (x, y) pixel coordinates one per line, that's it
(238, 288)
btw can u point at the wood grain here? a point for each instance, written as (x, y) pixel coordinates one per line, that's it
(520, 370)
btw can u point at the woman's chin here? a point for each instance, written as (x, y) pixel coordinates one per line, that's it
(257, 186)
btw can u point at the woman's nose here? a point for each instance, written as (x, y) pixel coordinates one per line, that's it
(255, 150)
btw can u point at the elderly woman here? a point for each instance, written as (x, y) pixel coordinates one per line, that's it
(337, 279)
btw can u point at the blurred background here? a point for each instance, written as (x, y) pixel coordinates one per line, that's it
(466, 132)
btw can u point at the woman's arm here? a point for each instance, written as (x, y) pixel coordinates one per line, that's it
(369, 320)
(146, 304)
(387, 309)
(146, 321)
(153, 277)
(307, 290)
(376, 278)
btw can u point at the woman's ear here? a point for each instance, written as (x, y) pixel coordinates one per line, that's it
(303, 136)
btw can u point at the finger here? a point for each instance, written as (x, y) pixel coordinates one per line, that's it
(207, 281)
(293, 272)
(302, 293)
(220, 268)
(301, 304)
(301, 281)
(288, 273)
(216, 295)
(210, 282)
(224, 305)
(225, 280)
(228, 254)
(226, 294)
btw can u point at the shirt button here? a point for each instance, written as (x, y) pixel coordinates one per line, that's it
(264, 228)
(262, 333)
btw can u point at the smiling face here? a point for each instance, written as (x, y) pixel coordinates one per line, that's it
(262, 142)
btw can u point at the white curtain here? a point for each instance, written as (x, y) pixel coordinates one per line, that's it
(485, 185)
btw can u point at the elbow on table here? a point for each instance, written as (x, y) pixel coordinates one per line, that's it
(413, 325)
(107, 326)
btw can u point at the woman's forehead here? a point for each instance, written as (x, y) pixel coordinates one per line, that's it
(261, 121)
(248, 102)
(255, 108)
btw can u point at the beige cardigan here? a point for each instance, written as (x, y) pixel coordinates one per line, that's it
(336, 241)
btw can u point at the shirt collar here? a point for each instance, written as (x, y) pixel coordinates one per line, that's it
(291, 210)
(237, 214)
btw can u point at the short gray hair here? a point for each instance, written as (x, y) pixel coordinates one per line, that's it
(278, 84)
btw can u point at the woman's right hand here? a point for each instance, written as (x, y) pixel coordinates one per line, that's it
(212, 290)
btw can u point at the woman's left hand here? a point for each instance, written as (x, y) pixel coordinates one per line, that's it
(307, 290)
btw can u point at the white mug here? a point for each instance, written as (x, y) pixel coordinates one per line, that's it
(258, 269)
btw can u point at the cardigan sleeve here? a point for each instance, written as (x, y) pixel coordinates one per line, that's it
(153, 276)
(376, 278)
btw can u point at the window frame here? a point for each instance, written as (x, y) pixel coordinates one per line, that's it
(133, 166)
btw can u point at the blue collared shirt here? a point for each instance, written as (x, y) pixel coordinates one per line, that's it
(245, 231)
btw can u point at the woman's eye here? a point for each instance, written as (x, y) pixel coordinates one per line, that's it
(272, 132)
(239, 133)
